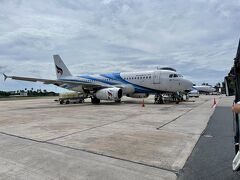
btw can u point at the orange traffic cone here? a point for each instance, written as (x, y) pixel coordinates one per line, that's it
(143, 105)
(214, 103)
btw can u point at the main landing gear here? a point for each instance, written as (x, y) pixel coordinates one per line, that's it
(95, 100)
(118, 101)
(158, 99)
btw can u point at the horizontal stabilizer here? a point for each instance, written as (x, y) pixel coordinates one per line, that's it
(5, 76)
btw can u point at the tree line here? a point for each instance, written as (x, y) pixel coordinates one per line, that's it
(27, 92)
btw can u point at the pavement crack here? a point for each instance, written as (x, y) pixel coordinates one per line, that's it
(21, 137)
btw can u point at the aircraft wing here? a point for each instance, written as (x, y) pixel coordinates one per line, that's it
(61, 83)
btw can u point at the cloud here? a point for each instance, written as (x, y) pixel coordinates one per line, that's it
(197, 37)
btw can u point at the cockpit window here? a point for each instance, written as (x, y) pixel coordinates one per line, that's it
(175, 75)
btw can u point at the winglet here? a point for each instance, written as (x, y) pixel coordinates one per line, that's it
(5, 76)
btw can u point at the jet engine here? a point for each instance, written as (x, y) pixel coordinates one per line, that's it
(138, 95)
(109, 94)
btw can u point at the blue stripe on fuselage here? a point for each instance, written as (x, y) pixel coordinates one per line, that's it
(117, 77)
(114, 77)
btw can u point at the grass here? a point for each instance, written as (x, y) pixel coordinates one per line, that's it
(14, 98)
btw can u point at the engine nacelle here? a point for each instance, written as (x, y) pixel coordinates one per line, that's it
(138, 95)
(109, 94)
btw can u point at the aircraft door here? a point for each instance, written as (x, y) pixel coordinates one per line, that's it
(156, 77)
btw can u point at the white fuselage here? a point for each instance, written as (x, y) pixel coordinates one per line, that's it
(150, 82)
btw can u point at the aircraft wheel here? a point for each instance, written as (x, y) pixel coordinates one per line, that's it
(161, 101)
(95, 100)
(158, 99)
(118, 101)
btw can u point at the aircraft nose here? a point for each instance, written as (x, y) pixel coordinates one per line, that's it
(187, 84)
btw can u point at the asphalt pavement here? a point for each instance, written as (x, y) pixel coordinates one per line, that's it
(213, 154)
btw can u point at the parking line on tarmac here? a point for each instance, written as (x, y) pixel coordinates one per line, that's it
(174, 119)
(102, 125)
(158, 128)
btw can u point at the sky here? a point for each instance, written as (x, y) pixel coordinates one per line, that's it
(199, 38)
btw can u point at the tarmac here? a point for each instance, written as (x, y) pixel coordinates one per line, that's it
(41, 139)
(212, 156)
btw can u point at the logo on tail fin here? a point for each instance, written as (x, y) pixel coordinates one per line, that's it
(59, 70)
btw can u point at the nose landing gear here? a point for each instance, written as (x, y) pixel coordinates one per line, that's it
(174, 97)
(158, 99)
(177, 97)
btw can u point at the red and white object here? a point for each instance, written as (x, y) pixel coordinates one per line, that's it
(214, 103)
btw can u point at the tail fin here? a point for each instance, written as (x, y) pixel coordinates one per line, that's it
(61, 68)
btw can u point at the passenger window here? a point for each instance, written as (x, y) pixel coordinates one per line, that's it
(175, 75)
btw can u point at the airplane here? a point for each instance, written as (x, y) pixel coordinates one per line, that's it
(112, 86)
(207, 89)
